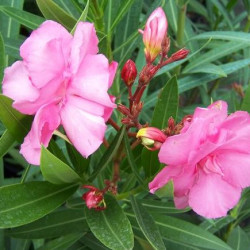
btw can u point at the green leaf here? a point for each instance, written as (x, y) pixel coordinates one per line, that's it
(52, 225)
(184, 233)
(121, 12)
(166, 191)
(2, 58)
(17, 123)
(82, 18)
(52, 11)
(147, 225)
(63, 242)
(131, 159)
(238, 239)
(12, 47)
(189, 82)
(167, 104)
(224, 35)
(79, 163)
(90, 241)
(246, 101)
(111, 226)
(214, 225)
(218, 52)
(23, 17)
(156, 206)
(108, 155)
(23, 203)
(56, 171)
(209, 68)
(6, 142)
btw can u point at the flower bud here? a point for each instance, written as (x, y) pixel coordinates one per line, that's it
(94, 198)
(129, 72)
(152, 138)
(180, 54)
(154, 33)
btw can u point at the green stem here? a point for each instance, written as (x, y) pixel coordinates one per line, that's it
(25, 173)
(64, 137)
(180, 30)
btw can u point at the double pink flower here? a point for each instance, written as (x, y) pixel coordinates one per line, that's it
(208, 162)
(62, 81)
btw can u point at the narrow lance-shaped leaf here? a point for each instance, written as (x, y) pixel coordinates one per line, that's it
(52, 225)
(82, 18)
(238, 239)
(167, 106)
(147, 225)
(108, 155)
(56, 171)
(23, 17)
(6, 142)
(111, 226)
(17, 123)
(52, 11)
(23, 203)
(131, 160)
(246, 101)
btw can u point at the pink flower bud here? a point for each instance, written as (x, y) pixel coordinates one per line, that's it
(129, 72)
(94, 198)
(180, 54)
(152, 138)
(154, 33)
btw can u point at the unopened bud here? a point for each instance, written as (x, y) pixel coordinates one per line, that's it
(152, 138)
(180, 54)
(154, 33)
(129, 72)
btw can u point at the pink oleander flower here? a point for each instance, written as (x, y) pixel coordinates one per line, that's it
(209, 161)
(62, 81)
(152, 138)
(154, 33)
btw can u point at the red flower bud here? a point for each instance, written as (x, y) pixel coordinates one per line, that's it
(129, 72)
(94, 198)
(152, 138)
(180, 54)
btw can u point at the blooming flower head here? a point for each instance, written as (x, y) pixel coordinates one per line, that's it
(154, 33)
(62, 81)
(209, 161)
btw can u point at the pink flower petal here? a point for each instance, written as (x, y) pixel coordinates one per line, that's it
(16, 79)
(235, 167)
(85, 131)
(85, 42)
(46, 53)
(212, 196)
(162, 178)
(92, 80)
(108, 111)
(46, 121)
(112, 71)
(181, 202)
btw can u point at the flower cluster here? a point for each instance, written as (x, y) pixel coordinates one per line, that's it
(62, 81)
